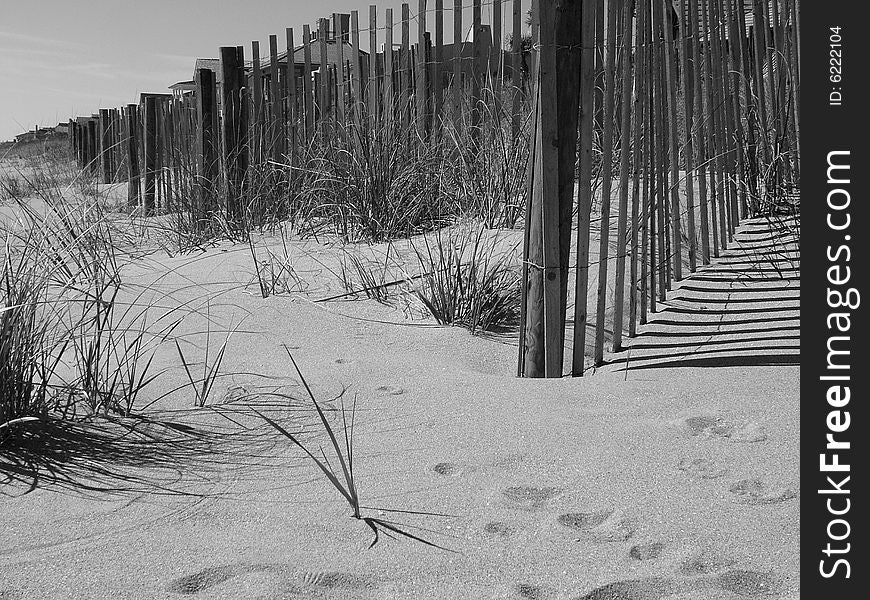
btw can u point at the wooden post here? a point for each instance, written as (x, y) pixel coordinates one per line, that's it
(437, 78)
(307, 92)
(649, 241)
(257, 138)
(206, 136)
(606, 183)
(793, 58)
(276, 119)
(688, 80)
(407, 82)
(421, 99)
(624, 155)
(150, 131)
(477, 70)
(159, 162)
(699, 127)
(105, 146)
(660, 154)
(495, 60)
(736, 115)
(516, 73)
(708, 117)
(118, 163)
(389, 103)
(341, 88)
(568, 38)
(726, 119)
(751, 155)
(584, 185)
(759, 54)
(540, 331)
(457, 84)
(292, 113)
(134, 192)
(599, 64)
(637, 212)
(235, 129)
(373, 67)
(671, 78)
(323, 99)
(720, 140)
(83, 142)
(356, 69)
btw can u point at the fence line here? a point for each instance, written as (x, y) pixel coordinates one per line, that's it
(688, 109)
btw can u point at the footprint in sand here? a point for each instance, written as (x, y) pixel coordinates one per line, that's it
(530, 591)
(210, 577)
(390, 390)
(498, 528)
(747, 584)
(447, 468)
(650, 551)
(701, 468)
(755, 492)
(744, 584)
(649, 588)
(714, 426)
(601, 526)
(529, 497)
(705, 561)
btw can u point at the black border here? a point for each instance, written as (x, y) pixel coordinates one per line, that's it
(826, 128)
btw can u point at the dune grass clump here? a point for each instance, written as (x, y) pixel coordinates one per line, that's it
(62, 348)
(371, 183)
(490, 171)
(10, 188)
(469, 280)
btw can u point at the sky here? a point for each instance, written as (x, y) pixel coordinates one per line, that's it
(65, 58)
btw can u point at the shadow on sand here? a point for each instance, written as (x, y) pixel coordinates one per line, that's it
(741, 310)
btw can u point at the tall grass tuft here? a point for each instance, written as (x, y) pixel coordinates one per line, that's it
(469, 280)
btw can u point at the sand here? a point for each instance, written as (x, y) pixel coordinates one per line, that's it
(671, 472)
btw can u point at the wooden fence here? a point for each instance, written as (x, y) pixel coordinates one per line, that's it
(668, 121)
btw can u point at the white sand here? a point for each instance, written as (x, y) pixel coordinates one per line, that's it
(674, 481)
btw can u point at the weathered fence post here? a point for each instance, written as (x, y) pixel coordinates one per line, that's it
(150, 139)
(276, 114)
(134, 192)
(307, 91)
(624, 154)
(104, 145)
(234, 128)
(607, 182)
(206, 136)
(457, 85)
(422, 96)
(551, 188)
(584, 187)
(516, 72)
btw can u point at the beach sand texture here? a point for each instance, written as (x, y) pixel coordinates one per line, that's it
(671, 472)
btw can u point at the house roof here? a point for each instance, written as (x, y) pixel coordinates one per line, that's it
(213, 64)
(299, 55)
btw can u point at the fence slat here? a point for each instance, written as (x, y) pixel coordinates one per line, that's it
(584, 185)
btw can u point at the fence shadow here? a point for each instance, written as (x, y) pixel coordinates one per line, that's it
(741, 310)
